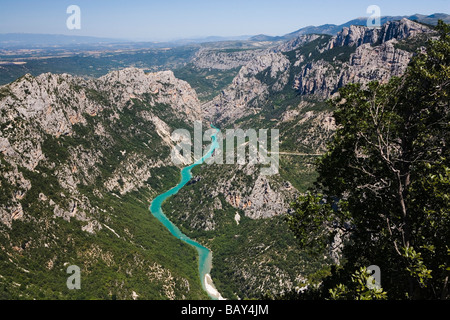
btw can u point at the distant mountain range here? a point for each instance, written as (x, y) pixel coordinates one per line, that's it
(11, 40)
(28, 40)
(35, 40)
(333, 29)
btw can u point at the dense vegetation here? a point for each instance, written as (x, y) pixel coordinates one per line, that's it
(96, 65)
(206, 82)
(384, 184)
(251, 258)
(132, 252)
(111, 267)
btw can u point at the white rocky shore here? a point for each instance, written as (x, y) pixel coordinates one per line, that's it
(211, 289)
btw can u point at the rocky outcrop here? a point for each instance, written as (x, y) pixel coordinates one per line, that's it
(359, 35)
(236, 101)
(263, 201)
(45, 108)
(224, 59)
(50, 101)
(375, 63)
(317, 77)
(376, 58)
(367, 64)
(73, 152)
(296, 42)
(163, 87)
(14, 186)
(122, 182)
(261, 197)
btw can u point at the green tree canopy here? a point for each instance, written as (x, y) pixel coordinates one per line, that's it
(384, 184)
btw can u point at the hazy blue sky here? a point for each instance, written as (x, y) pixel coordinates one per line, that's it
(171, 19)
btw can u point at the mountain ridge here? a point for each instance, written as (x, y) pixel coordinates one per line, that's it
(333, 29)
(81, 159)
(352, 45)
(8, 40)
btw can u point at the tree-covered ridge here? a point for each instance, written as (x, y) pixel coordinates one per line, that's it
(382, 195)
(85, 199)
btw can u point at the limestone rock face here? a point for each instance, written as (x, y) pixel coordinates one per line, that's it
(19, 186)
(163, 86)
(261, 198)
(50, 101)
(355, 36)
(359, 35)
(223, 60)
(376, 63)
(264, 202)
(233, 102)
(366, 64)
(374, 57)
(317, 77)
(46, 108)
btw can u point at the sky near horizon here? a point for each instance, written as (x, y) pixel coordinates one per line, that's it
(175, 19)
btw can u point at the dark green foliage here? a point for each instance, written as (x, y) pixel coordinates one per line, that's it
(298, 170)
(55, 149)
(339, 54)
(38, 248)
(6, 187)
(206, 82)
(414, 44)
(4, 92)
(108, 264)
(387, 173)
(97, 96)
(256, 248)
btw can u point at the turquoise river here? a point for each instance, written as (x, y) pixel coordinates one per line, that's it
(205, 255)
